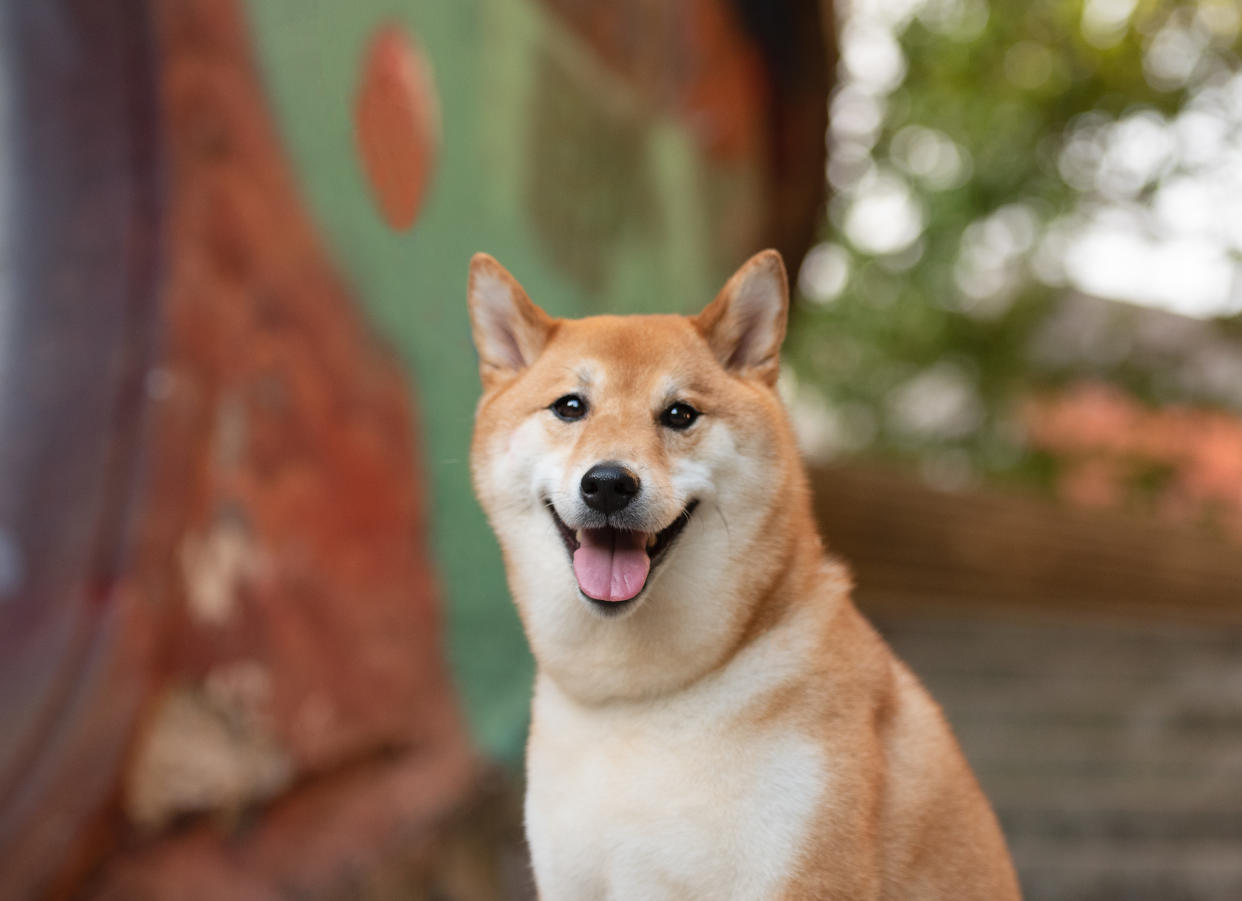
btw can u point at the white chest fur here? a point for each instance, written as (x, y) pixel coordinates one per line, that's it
(680, 798)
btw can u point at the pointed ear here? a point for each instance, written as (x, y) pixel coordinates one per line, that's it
(509, 331)
(745, 324)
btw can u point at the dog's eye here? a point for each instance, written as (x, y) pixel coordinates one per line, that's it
(569, 407)
(679, 416)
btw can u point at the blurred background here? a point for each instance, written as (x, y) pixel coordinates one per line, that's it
(255, 641)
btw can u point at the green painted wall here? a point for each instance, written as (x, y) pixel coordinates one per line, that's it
(549, 163)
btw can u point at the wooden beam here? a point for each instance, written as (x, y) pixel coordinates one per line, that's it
(994, 549)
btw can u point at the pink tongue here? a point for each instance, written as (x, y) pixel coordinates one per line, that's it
(611, 565)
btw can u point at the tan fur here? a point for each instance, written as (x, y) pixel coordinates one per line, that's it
(743, 731)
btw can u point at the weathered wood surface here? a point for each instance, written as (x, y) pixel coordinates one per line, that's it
(219, 632)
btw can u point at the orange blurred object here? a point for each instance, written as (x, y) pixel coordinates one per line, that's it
(1107, 440)
(397, 125)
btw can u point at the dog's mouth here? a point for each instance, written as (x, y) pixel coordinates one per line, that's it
(612, 565)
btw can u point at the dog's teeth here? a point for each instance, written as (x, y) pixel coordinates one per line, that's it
(652, 538)
(578, 536)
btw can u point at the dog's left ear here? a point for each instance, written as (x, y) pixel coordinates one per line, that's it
(745, 324)
(509, 330)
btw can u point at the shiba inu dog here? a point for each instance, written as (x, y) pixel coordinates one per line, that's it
(712, 717)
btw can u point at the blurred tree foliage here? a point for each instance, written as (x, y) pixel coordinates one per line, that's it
(968, 143)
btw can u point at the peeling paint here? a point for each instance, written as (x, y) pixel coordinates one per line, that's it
(203, 753)
(215, 566)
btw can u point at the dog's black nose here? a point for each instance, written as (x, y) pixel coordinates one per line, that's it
(608, 487)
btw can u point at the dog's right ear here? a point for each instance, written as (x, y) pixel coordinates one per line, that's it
(509, 331)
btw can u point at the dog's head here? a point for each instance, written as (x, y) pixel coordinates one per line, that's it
(635, 470)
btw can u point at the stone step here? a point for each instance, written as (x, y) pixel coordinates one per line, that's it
(1138, 871)
(1112, 751)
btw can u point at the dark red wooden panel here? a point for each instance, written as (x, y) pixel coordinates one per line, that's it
(78, 181)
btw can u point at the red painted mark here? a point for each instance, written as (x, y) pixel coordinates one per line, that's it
(397, 125)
